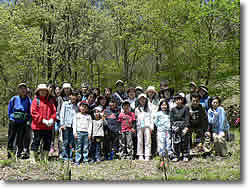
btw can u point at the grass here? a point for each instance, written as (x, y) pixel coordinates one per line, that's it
(198, 169)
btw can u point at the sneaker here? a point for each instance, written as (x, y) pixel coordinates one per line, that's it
(141, 158)
(185, 159)
(77, 164)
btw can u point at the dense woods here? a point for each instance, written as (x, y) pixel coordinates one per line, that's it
(100, 41)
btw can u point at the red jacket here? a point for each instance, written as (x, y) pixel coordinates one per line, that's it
(44, 110)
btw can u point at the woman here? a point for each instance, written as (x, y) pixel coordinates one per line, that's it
(218, 125)
(43, 112)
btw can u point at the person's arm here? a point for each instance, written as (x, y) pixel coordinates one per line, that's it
(74, 125)
(61, 115)
(90, 129)
(36, 116)
(10, 107)
(60, 102)
(221, 119)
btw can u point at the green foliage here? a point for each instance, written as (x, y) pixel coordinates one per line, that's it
(141, 42)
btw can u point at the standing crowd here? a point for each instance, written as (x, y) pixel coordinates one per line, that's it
(87, 126)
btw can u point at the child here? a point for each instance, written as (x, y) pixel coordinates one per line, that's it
(127, 120)
(96, 134)
(179, 117)
(131, 98)
(144, 128)
(114, 128)
(162, 121)
(67, 113)
(218, 126)
(81, 123)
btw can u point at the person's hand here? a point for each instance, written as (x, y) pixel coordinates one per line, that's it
(50, 122)
(62, 127)
(44, 121)
(185, 130)
(75, 136)
(133, 130)
(89, 137)
(216, 113)
(150, 130)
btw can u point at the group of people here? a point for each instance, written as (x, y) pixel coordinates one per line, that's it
(136, 123)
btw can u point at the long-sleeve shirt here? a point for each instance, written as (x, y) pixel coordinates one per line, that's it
(127, 121)
(19, 104)
(162, 121)
(97, 127)
(218, 122)
(67, 113)
(180, 114)
(144, 119)
(81, 123)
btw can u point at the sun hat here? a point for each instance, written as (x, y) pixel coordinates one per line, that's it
(142, 95)
(22, 85)
(139, 88)
(192, 84)
(84, 85)
(66, 85)
(99, 108)
(119, 82)
(204, 88)
(41, 87)
(151, 88)
(84, 102)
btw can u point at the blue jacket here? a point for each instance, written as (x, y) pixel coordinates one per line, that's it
(18, 104)
(162, 121)
(204, 102)
(112, 117)
(218, 123)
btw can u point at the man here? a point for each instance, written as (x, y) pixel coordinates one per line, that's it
(84, 91)
(19, 116)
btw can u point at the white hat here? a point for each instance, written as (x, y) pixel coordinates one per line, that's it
(139, 87)
(182, 95)
(119, 82)
(41, 87)
(99, 108)
(151, 88)
(66, 85)
(142, 95)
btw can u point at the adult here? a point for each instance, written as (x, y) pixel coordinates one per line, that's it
(43, 112)
(19, 116)
(120, 94)
(84, 91)
(203, 91)
(193, 89)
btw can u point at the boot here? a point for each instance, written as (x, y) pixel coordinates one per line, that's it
(45, 153)
(34, 156)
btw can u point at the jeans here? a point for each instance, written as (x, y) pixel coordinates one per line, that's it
(82, 144)
(164, 142)
(96, 148)
(68, 140)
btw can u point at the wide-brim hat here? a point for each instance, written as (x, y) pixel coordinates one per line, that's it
(151, 88)
(119, 82)
(99, 108)
(84, 85)
(204, 88)
(179, 95)
(22, 85)
(41, 87)
(192, 84)
(139, 88)
(66, 85)
(142, 95)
